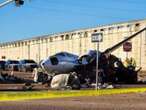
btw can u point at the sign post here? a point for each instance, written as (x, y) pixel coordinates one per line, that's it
(97, 37)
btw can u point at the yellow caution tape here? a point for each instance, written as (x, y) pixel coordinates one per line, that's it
(15, 96)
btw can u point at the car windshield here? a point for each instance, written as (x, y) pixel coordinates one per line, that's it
(14, 62)
(29, 61)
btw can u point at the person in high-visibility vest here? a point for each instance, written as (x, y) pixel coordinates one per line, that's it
(130, 63)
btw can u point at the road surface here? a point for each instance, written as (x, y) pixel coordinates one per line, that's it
(134, 101)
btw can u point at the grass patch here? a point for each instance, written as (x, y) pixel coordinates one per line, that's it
(16, 96)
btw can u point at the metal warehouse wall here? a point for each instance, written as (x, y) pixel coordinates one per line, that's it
(79, 42)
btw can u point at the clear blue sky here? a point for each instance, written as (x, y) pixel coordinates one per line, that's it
(41, 17)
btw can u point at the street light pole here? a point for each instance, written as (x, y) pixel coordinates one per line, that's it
(5, 3)
(17, 2)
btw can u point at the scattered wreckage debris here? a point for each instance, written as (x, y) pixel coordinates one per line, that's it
(111, 71)
(65, 81)
(6, 78)
(10, 82)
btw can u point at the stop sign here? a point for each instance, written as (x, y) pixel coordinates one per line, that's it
(127, 46)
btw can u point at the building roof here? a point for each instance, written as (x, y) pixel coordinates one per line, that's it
(72, 31)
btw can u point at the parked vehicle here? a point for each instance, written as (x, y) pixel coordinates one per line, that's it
(27, 65)
(12, 65)
(2, 65)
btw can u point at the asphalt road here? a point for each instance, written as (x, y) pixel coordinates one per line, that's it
(109, 102)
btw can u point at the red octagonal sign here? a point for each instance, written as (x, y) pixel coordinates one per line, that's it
(127, 46)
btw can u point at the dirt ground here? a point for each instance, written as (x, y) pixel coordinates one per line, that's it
(110, 102)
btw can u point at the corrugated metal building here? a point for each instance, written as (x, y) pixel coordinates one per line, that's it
(79, 42)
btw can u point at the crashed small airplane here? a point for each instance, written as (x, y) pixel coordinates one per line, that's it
(62, 62)
(85, 66)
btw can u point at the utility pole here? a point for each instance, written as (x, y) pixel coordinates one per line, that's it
(17, 2)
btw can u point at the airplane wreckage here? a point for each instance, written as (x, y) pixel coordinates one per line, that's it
(66, 70)
(71, 70)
